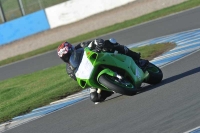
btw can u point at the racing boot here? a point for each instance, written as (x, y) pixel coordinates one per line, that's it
(97, 95)
(136, 57)
(143, 64)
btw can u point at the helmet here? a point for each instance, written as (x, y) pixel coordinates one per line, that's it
(112, 40)
(64, 51)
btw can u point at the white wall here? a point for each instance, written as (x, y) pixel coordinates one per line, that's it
(75, 10)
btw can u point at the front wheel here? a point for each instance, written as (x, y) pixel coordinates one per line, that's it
(155, 74)
(123, 86)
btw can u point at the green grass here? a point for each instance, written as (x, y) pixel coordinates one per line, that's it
(21, 94)
(151, 51)
(118, 26)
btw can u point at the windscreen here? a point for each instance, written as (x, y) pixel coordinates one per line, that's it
(76, 58)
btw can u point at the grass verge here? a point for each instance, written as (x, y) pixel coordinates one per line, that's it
(24, 93)
(151, 51)
(160, 13)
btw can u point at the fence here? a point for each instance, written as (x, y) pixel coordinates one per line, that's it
(12, 9)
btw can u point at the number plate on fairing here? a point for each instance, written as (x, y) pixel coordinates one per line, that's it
(85, 68)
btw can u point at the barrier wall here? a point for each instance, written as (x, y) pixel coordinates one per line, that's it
(75, 10)
(58, 15)
(23, 27)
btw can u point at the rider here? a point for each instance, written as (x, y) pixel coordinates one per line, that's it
(65, 50)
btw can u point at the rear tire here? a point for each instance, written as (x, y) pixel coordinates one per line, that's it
(123, 87)
(155, 74)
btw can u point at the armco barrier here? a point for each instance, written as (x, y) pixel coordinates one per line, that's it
(23, 27)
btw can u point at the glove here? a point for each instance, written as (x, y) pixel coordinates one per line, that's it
(99, 44)
(99, 47)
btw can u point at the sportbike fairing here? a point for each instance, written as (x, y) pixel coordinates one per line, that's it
(89, 69)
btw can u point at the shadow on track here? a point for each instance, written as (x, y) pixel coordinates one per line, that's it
(165, 81)
(113, 98)
(170, 79)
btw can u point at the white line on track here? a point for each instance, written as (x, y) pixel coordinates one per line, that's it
(194, 130)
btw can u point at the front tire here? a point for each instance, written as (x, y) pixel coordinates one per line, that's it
(123, 87)
(155, 74)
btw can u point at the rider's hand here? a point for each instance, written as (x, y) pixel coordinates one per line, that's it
(99, 47)
(99, 44)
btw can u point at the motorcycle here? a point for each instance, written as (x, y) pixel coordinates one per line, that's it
(112, 72)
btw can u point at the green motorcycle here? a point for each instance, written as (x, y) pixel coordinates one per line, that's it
(112, 71)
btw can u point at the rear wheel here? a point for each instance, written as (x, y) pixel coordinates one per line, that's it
(122, 86)
(155, 74)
